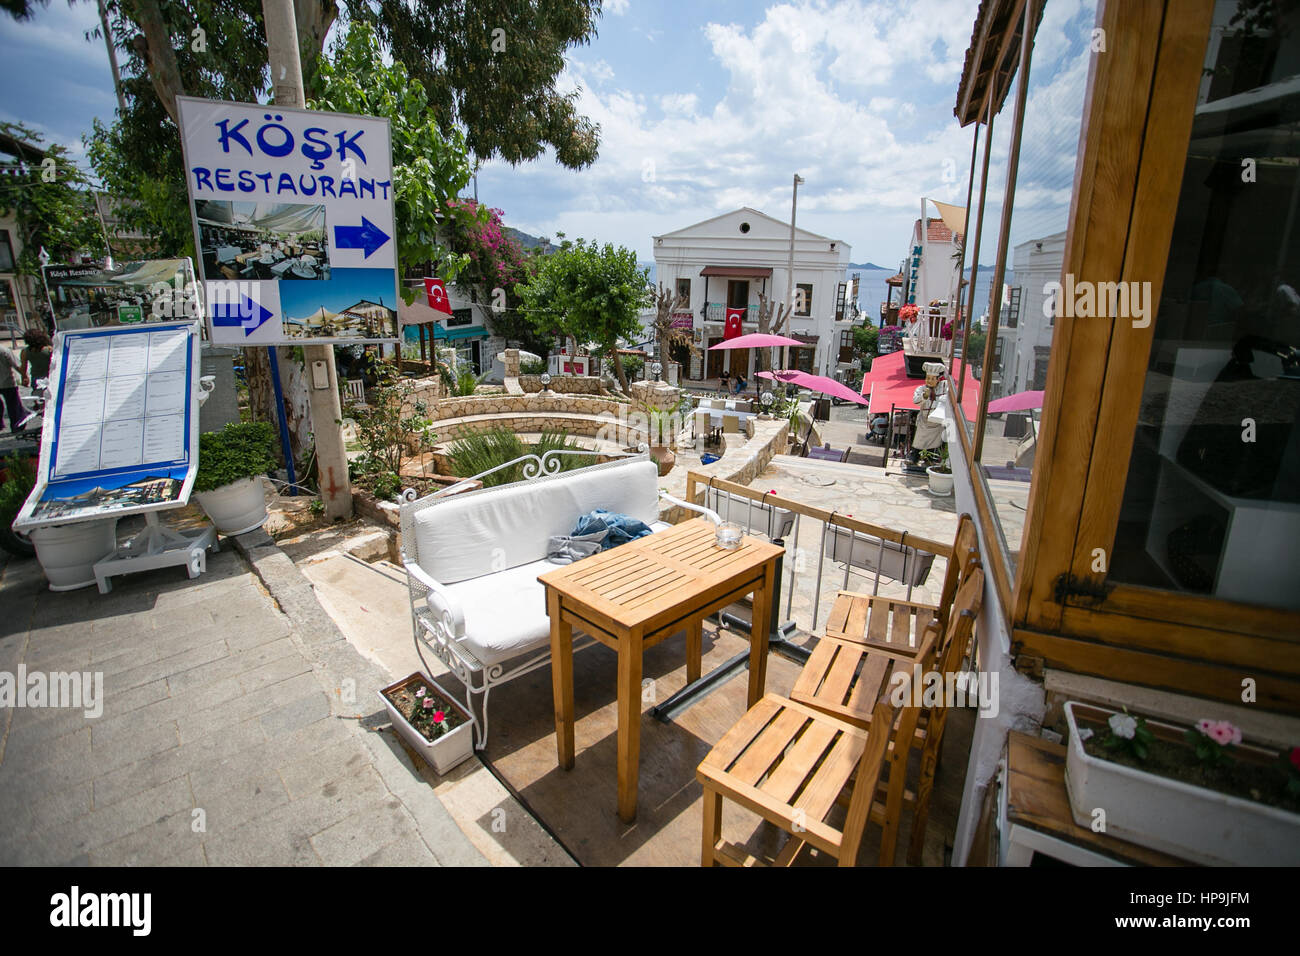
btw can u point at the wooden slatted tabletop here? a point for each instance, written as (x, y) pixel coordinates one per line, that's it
(633, 596)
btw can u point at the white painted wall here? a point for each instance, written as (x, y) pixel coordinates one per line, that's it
(1035, 264)
(818, 260)
(1021, 701)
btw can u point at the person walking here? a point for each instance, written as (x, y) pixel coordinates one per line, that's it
(9, 364)
(34, 360)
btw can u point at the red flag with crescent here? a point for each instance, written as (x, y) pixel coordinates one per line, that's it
(732, 329)
(437, 295)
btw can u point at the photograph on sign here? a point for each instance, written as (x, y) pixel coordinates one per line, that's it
(293, 219)
(150, 290)
(263, 240)
(121, 427)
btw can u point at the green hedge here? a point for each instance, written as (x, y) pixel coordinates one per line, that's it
(240, 450)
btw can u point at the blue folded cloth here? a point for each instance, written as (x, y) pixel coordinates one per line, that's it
(622, 528)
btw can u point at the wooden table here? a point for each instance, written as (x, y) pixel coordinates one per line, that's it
(1035, 814)
(634, 596)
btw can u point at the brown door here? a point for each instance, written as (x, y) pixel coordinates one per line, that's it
(738, 294)
(716, 361)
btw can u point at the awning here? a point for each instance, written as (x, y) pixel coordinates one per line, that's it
(809, 341)
(741, 272)
(450, 335)
(888, 384)
(896, 279)
(954, 217)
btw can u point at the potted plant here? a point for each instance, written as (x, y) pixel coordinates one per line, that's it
(228, 485)
(1198, 793)
(940, 474)
(434, 725)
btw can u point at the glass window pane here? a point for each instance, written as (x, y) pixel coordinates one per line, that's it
(1058, 78)
(1212, 501)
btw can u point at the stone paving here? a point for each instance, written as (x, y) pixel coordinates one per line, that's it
(233, 731)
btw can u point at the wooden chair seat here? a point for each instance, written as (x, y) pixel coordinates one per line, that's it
(789, 764)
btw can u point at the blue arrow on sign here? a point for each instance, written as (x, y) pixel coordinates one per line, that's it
(366, 236)
(250, 315)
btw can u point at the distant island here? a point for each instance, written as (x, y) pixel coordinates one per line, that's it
(869, 265)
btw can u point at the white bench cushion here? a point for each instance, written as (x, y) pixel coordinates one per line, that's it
(481, 533)
(505, 612)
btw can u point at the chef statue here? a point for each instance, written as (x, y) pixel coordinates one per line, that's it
(929, 435)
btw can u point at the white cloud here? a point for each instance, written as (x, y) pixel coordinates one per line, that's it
(616, 7)
(855, 95)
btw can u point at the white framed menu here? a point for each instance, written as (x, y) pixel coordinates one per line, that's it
(121, 427)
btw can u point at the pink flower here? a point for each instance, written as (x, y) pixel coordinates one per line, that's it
(420, 692)
(439, 716)
(1203, 725)
(1295, 757)
(1224, 734)
(428, 703)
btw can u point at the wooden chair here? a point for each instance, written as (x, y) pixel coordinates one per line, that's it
(792, 765)
(893, 624)
(842, 679)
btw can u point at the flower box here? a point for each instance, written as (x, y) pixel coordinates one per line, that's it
(1191, 822)
(445, 751)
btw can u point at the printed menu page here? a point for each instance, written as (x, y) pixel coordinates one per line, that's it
(123, 401)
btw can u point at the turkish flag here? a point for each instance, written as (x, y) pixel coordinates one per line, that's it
(732, 329)
(437, 293)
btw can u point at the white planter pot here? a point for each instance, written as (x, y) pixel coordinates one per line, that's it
(1186, 821)
(68, 552)
(235, 508)
(443, 754)
(940, 484)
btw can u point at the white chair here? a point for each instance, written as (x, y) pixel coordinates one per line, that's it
(356, 392)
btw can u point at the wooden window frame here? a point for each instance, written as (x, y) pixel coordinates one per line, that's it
(1137, 127)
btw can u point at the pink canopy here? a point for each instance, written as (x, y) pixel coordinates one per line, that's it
(816, 383)
(1019, 402)
(888, 384)
(755, 340)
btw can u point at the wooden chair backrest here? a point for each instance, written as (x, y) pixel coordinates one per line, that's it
(904, 735)
(965, 554)
(957, 633)
(868, 778)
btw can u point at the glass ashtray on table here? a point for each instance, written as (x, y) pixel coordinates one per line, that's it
(728, 535)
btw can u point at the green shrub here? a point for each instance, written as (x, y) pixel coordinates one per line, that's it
(466, 382)
(532, 367)
(633, 366)
(15, 489)
(240, 450)
(480, 451)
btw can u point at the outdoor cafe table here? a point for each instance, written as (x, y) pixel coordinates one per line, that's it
(634, 596)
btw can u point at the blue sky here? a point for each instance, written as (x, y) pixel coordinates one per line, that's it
(706, 105)
(345, 288)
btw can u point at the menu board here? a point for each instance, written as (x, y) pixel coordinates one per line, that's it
(121, 427)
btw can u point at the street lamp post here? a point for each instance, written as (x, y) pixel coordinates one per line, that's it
(789, 270)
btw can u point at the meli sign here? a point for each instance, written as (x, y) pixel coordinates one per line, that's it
(293, 220)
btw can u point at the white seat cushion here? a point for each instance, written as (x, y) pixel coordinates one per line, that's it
(468, 536)
(505, 612)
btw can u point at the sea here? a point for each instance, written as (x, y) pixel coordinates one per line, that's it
(872, 288)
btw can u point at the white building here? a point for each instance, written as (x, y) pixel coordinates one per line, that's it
(468, 329)
(1027, 317)
(727, 261)
(930, 269)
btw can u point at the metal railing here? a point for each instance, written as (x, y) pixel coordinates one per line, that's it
(862, 547)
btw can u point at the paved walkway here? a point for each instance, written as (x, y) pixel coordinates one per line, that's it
(234, 731)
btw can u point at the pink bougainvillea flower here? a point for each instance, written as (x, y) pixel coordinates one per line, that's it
(428, 703)
(439, 716)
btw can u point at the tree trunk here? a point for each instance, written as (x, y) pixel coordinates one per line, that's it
(158, 54)
(618, 371)
(293, 382)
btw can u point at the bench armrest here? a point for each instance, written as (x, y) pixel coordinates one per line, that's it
(440, 601)
(711, 515)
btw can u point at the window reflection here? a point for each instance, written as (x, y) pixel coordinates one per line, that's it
(1212, 501)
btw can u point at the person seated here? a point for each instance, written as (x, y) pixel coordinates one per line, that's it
(724, 382)
(741, 385)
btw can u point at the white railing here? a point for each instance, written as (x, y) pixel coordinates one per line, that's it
(717, 312)
(925, 335)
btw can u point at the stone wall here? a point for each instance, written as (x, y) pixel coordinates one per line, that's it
(568, 384)
(502, 404)
(741, 465)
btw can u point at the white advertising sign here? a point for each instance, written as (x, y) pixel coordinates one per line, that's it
(293, 223)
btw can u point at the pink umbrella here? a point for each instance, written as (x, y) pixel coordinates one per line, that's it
(816, 383)
(755, 340)
(1019, 402)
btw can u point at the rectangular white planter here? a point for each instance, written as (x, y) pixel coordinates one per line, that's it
(449, 750)
(1196, 824)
